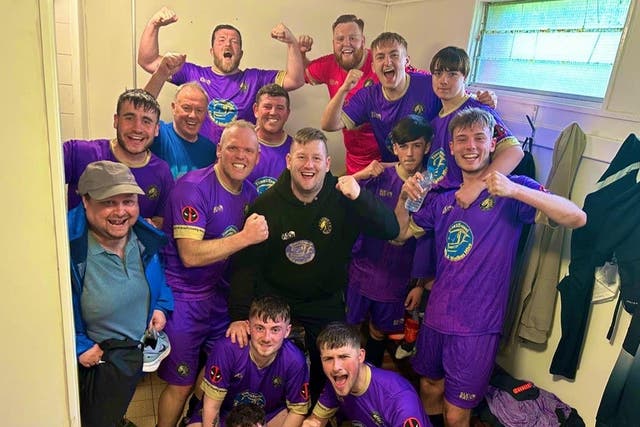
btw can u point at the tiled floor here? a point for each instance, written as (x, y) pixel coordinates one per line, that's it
(143, 409)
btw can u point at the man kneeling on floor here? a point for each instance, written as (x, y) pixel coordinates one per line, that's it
(270, 372)
(367, 396)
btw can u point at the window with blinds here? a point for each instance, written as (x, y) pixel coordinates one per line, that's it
(549, 46)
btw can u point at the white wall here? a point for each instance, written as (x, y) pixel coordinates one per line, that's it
(434, 24)
(37, 359)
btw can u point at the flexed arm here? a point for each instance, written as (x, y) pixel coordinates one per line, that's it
(294, 77)
(331, 116)
(148, 52)
(198, 253)
(559, 210)
(170, 64)
(305, 43)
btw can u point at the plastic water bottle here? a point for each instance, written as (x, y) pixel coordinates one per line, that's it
(425, 183)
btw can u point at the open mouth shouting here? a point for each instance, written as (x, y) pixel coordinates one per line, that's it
(347, 51)
(389, 73)
(340, 384)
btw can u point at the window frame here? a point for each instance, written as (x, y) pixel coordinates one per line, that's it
(579, 101)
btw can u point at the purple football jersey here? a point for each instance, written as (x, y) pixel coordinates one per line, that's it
(388, 401)
(475, 250)
(273, 160)
(379, 269)
(201, 208)
(154, 177)
(230, 374)
(445, 171)
(370, 105)
(231, 97)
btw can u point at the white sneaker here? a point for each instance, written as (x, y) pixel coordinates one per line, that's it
(401, 353)
(152, 356)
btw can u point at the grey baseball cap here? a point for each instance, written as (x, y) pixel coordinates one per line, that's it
(104, 179)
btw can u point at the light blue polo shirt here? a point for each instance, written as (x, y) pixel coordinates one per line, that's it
(115, 294)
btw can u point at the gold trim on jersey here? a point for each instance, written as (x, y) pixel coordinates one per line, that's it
(181, 231)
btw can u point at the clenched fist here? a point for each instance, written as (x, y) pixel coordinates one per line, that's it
(164, 16)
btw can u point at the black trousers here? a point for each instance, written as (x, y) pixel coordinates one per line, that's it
(107, 388)
(619, 403)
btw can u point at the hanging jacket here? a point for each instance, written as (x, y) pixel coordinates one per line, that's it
(613, 225)
(536, 281)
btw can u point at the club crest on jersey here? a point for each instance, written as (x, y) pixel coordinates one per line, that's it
(459, 241)
(300, 252)
(418, 109)
(262, 184)
(411, 422)
(189, 214)
(437, 164)
(183, 369)
(488, 203)
(288, 235)
(153, 192)
(222, 111)
(499, 132)
(229, 231)
(377, 418)
(244, 86)
(250, 397)
(215, 375)
(368, 82)
(276, 382)
(325, 225)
